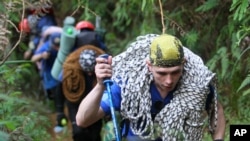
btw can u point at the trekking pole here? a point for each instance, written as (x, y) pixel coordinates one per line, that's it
(107, 82)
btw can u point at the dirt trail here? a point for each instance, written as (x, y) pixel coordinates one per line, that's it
(65, 135)
(50, 113)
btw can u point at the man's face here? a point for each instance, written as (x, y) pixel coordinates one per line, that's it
(166, 78)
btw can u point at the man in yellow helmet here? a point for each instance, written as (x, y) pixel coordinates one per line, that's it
(162, 88)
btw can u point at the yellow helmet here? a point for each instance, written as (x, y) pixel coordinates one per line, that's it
(166, 51)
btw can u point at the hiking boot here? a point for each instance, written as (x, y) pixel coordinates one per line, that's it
(61, 123)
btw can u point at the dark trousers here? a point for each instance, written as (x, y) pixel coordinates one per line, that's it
(59, 99)
(59, 104)
(91, 133)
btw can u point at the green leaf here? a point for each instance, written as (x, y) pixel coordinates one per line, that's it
(207, 6)
(245, 93)
(144, 2)
(9, 124)
(191, 39)
(240, 7)
(224, 64)
(245, 82)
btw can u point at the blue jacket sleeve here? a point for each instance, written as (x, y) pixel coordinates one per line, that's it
(116, 98)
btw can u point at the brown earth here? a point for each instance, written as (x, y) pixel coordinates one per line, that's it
(50, 113)
(65, 135)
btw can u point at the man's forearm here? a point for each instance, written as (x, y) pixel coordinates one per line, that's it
(219, 132)
(36, 57)
(89, 109)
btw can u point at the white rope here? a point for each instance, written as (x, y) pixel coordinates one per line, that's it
(183, 117)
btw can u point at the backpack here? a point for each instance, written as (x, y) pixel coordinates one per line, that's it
(89, 38)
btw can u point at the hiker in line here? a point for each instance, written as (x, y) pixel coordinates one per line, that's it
(78, 78)
(161, 88)
(37, 19)
(47, 54)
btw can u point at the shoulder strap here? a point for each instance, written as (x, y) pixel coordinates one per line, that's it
(125, 126)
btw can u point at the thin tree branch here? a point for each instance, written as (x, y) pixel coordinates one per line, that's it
(162, 18)
(19, 40)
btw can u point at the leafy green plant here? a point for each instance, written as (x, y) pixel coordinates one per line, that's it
(18, 118)
(240, 9)
(231, 61)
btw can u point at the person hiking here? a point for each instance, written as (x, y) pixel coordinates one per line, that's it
(78, 78)
(88, 35)
(35, 25)
(47, 54)
(162, 88)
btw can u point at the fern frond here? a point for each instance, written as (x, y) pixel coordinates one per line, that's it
(240, 7)
(246, 82)
(191, 39)
(175, 26)
(245, 93)
(210, 4)
(220, 54)
(225, 63)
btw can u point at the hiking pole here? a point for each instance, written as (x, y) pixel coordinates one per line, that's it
(107, 82)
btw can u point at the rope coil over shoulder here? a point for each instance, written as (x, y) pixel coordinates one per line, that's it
(182, 118)
(73, 77)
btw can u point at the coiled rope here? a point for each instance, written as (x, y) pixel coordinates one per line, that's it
(73, 77)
